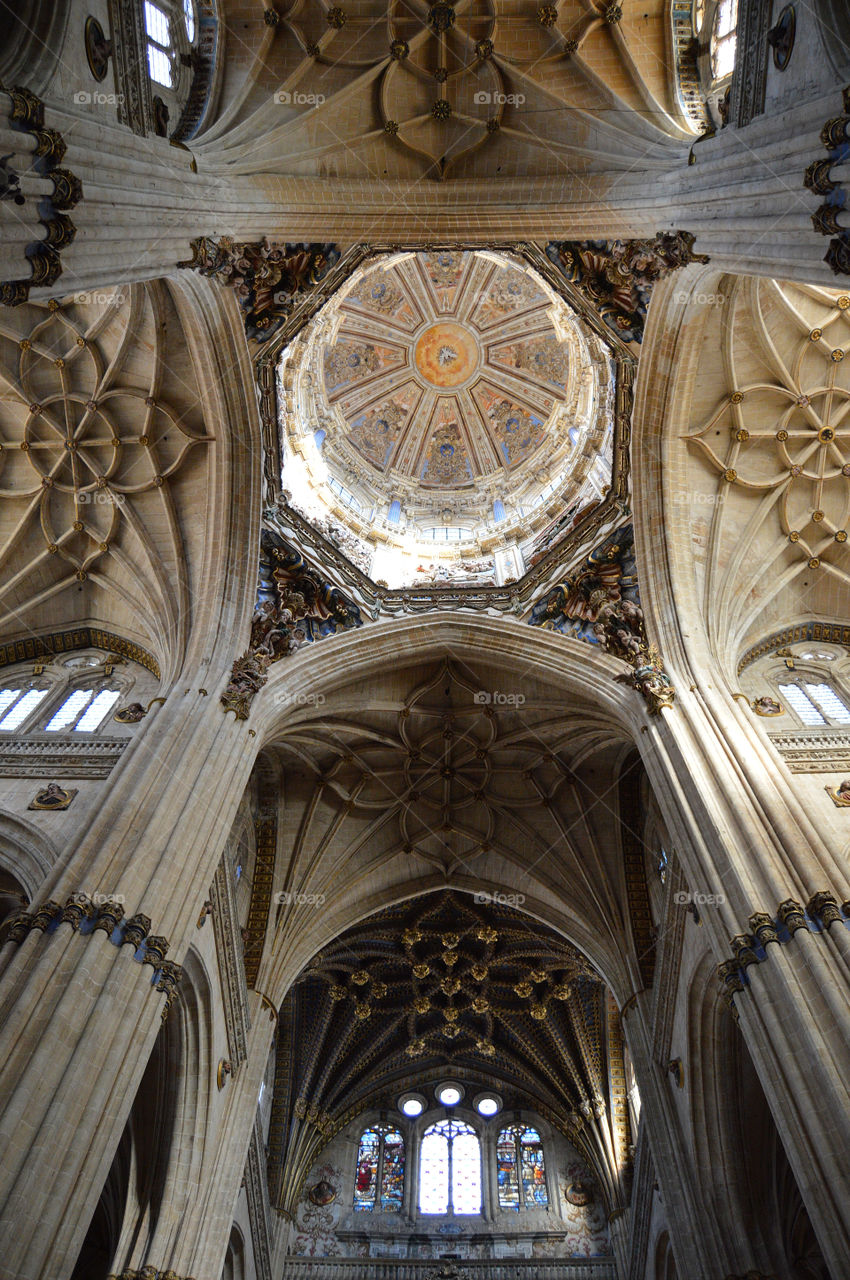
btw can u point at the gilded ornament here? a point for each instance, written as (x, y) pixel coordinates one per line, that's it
(538, 975)
(837, 355)
(484, 49)
(399, 49)
(843, 302)
(480, 1004)
(763, 928)
(449, 959)
(791, 914)
(841, 535)
(479, 972)
(441, 110)
(742, 950)
(815, 335)
(823, 906)
(362, 1010)
(450, 940)
(379, 990)
(422, 1004)
(523, 990)
(742, 434)
(814, 562)
(793, 536)
(486, 1048)
(547, 15)
(410, 936)
(225, 1069)
(450, 1014)
(450, 986)
(538, 1011)
(336, 17)
(736, 397)
(817, 516)
(416, 1048)
(361, 977)
(730, 475)
(391, 127)
(421, 970)
(450, 1029)
(52, 797)
(337, 993)
(486, 933)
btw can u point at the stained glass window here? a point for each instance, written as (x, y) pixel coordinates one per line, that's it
(380, 1163)
(392, 1173)
(521, 1171)
(450, 1169)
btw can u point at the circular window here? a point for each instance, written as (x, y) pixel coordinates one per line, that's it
(411, 1104)
(488, 1104)
(449, 1094)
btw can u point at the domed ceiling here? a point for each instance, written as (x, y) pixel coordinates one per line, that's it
(444, 391)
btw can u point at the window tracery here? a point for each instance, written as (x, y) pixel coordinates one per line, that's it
(521, 1169)
(379, 1177)
(74, 696)
(450, 1169)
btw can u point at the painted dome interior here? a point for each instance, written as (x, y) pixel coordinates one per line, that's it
(440, 410)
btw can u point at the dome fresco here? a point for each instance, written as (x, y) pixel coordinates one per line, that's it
(446, 396)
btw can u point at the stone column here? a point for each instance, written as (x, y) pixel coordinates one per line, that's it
(696, 1235)
(740, 836)
(82, 989)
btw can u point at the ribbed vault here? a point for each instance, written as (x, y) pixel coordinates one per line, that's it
(455, 985)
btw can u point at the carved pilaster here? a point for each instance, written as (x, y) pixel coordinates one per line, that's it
(228, 945)
(750, 76)
(258, 1202)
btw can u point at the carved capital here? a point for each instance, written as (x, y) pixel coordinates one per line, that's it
(45, 914)
(824, 907)
(155, 949)
(792, 915)
(763, 927)
(136, 930)
(742, 950)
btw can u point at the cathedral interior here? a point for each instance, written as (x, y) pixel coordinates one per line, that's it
(425, 640)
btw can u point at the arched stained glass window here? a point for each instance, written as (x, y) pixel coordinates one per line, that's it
(521, 1171)
(380, 1165)
(450, 1169)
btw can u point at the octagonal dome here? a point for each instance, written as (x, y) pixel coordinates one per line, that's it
(441, 408)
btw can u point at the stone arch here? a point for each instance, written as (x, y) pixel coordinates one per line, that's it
(25, 852)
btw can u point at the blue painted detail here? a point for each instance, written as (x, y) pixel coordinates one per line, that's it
(319, 437)
(498, 510)
(394, 513)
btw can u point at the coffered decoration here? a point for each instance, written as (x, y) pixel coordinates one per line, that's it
(442, 984)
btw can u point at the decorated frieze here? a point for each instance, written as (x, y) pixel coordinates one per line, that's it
(819, 914)
(599, 603)
(270, 279)
(88, 914)
(617, 276)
